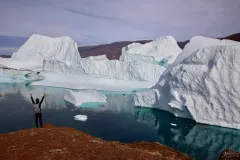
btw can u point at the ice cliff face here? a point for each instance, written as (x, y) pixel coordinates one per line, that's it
(157, 50)
(10, 75)
(202, 87)
(40, 47)
(113, 69)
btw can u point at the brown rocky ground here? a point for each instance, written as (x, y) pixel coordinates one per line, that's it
(67, 143)
(229, 155)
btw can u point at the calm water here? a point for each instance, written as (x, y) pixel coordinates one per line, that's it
(118, 120)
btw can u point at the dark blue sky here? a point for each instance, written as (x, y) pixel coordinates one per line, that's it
(104, 21)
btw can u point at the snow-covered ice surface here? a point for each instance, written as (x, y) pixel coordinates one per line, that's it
(80, 117)
(161, 48)
(80, 97)
(83, 82)
(10, 75)
(135, 70)
(202, 87)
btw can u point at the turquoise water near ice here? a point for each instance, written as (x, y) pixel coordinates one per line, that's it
(163, 62)
(118, 120)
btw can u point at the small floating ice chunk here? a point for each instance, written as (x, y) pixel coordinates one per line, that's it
(80, 117)
(173, 124)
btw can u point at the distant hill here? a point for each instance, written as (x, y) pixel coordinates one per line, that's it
(5, 56)
(234, 37)
(113, 50)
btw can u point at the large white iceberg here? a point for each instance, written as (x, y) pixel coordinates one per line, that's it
(153, 52)
(202, 87)
(58, 59)
(10, 75)
(196, 43)
(40, 47)
(37, 48)
(113, 69)
(84, 96)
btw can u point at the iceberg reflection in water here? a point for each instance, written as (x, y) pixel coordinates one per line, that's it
(117, 120)
(196, 140)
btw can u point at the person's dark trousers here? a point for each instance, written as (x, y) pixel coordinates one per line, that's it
(38, 116)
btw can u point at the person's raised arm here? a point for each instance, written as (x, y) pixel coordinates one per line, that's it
(32, 98)
(42, 98)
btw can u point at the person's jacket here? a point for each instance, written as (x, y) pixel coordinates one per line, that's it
(37, 107)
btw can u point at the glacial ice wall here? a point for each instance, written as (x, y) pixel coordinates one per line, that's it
(203, 87)
(162, 48)
(113, 69)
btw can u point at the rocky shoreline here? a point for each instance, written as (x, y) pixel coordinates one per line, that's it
(53, 142)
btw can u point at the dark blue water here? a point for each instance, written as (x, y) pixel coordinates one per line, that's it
(118, 120)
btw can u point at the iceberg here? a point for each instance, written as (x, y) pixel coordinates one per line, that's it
(162, 48)
(80, 117)
(37, 48)
(114, 69)
(10, 75)
(202, 87)
(59, 60)
(84, 96)
(199, 42)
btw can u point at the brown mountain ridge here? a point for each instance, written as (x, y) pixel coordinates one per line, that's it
(114, 50)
